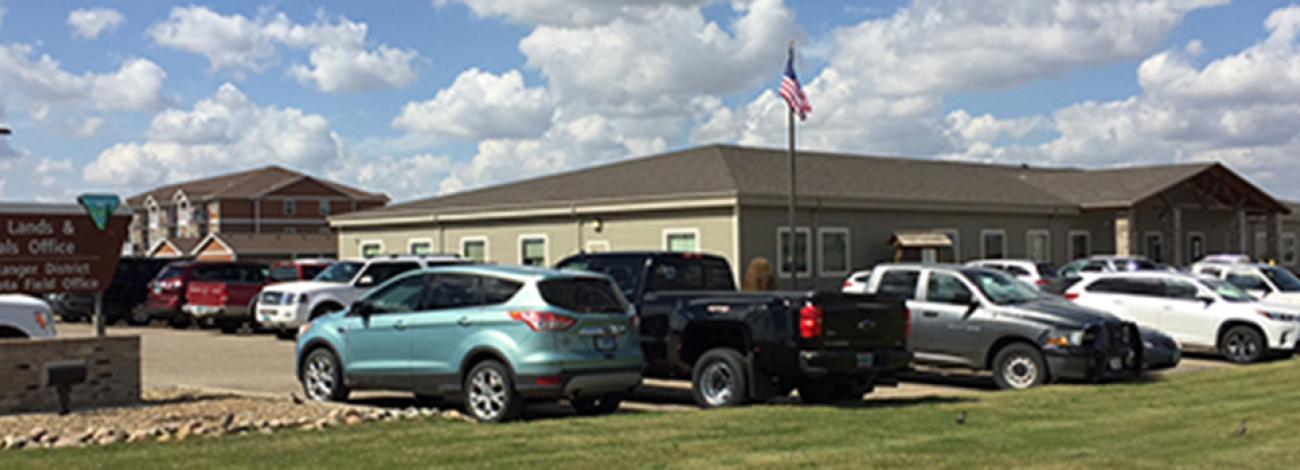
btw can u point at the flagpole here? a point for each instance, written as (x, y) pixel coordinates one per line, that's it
(794, 233)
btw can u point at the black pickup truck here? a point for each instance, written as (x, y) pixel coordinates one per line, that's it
(738, 347)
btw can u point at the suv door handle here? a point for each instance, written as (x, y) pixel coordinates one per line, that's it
(929, 314)
(400, 325)
(464, 321)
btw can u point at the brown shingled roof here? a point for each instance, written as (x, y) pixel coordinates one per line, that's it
(243, 184)
(277, 244)
(728, 170)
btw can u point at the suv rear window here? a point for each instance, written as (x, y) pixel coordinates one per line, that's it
(172, 271)
(584, 295)
(901, 282)
(1046, 270)
(285, 273)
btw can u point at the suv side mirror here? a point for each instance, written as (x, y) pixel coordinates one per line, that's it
(972, 305)
(1207, 300)
(362, 308)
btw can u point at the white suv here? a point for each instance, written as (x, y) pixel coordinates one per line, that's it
(1200, 313)
(1272, 284)
(22, 316)
(284, 307)
(1033, 273)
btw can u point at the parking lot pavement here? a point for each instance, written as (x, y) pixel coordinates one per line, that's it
(260, 363)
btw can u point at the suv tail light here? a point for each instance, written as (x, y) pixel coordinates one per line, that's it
(1042, 282)
(810, 322)
(1071, 295)
(544, 321)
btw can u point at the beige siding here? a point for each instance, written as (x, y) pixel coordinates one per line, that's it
(870, 232)
(640, 231)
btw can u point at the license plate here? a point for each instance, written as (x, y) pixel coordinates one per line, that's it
(1116, 363)
(866, 360)
(606, 343)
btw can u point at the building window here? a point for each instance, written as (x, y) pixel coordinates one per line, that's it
(834, 243)
(474, 249)
(1038, 245)
(324, 207)
(290, 230)
(1288, 249)
(290, 207)
(802, 252)
(1261, 245)
(420, 247)
(682, 240)
(951, 254)
(1080, 244)
(993, 244)
(371, 249)
(1153, 243)
(532, 250)
(1195, 246)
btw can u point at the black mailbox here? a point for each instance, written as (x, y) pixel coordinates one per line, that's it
(62, 376)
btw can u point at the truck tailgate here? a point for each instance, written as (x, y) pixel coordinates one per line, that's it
(857, 321)
(206, 293)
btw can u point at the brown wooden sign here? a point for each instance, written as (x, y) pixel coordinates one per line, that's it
(48, 248)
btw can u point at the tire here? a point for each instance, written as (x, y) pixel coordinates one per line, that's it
(1242, 345)
(831, 391)
(602, 405)
(1019, 366)
(490, 395)
(228, 327)
(137, 317)
(179, 321)
(324, 309)
(719, 379)
(322, 376)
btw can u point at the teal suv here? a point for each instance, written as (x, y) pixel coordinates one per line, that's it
(494, 337)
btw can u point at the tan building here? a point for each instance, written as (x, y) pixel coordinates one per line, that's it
(731, 201)
(171, 221)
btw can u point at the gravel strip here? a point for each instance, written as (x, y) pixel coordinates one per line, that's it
(176, 414)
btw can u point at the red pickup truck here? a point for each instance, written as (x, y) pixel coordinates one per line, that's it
(226, 294)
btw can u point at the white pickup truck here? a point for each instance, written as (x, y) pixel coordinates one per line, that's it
(286, 306)
(22, 316)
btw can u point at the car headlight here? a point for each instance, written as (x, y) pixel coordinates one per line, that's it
(1065, 339)
(1279, 316)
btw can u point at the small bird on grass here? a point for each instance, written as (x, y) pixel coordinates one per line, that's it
(961, 418)
(1241, 429)
(297, 400)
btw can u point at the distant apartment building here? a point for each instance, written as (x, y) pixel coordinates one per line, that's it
(173, 220)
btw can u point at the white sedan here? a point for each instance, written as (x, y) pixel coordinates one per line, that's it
(22, 316)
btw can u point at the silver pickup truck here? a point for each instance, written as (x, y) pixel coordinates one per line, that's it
(982, 319)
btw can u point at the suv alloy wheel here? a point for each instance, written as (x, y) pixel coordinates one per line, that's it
(490, 393)
(1242, 345)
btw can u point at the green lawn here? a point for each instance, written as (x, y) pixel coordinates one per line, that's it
(1186, 421)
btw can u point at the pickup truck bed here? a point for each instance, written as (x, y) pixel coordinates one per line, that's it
(829, 345)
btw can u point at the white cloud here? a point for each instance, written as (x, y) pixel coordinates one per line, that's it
(1242, 108)
(225, 131)
(400, 178)
(31, 178)
(480, 105)
(90, 23)
(656, 64)
(338, 59)
(40, 84)
(567, 12)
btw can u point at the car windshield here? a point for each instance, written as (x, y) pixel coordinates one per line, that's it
(170, 272)
(340, 272)
(1000, 288)
(1228, 291)
(1283, 279)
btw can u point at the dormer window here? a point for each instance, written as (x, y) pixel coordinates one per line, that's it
(290, 207)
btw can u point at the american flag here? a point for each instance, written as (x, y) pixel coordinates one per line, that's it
(793, 92)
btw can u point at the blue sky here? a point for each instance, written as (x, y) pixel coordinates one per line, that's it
(427, 97)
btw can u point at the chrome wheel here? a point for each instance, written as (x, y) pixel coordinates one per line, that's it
(319, 377)
(718, 383)
(488, 394)
(1020, 372)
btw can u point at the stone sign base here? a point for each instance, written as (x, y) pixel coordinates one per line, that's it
(112, 367)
